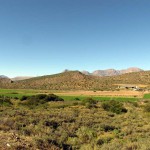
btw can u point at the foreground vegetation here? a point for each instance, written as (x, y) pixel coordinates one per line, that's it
(48, 122)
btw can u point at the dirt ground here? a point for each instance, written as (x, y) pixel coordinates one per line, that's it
(123, 93)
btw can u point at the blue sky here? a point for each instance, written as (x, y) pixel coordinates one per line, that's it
(39, 37)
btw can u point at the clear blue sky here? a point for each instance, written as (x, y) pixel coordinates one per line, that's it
(40, 37)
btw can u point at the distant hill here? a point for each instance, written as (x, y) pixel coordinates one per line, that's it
(142, 77)
(20, 78)
(4, 81)
(69, 80)
(130, 70)
(112, 72)
(108, 72)
(2, 76)
(75, 80)
(86, 72)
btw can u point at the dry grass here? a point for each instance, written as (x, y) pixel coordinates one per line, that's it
(123, 93)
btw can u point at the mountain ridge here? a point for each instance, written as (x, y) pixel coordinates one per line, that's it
(106, 72)
(112, 72)
(75, 80)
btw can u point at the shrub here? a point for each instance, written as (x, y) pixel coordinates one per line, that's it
(16, 98)
(135, 104)
(52, 97)
(41, 99)
(147, 107)
(24, 98)
(114, 106)
(5, 101)
(85, 134)
(77, 99)
(107, 128)
(88, 105)
(41, 96)
(103, 140)
(51, 124)
(89, 101)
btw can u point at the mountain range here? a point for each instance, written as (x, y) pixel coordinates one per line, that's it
(101, 73)
(112, 72)
(75, 80)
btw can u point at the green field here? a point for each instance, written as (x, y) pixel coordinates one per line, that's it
(22, 92)
(17, 93)
(147, 96)
(99, 98)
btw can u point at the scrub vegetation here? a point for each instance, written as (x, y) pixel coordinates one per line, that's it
(49, 122)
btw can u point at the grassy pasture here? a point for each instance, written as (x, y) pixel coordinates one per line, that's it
(17, 92)
(147, 96)
(22, 92)
(99, 98)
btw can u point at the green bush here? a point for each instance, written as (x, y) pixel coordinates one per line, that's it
(24, 98)
(107, 128)
(76, 98)
(5, 101)
(40, 99)
(16, 98)
(135, 104)
(114, 106)
(52, 97)
(147, 107)
(89, 101)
